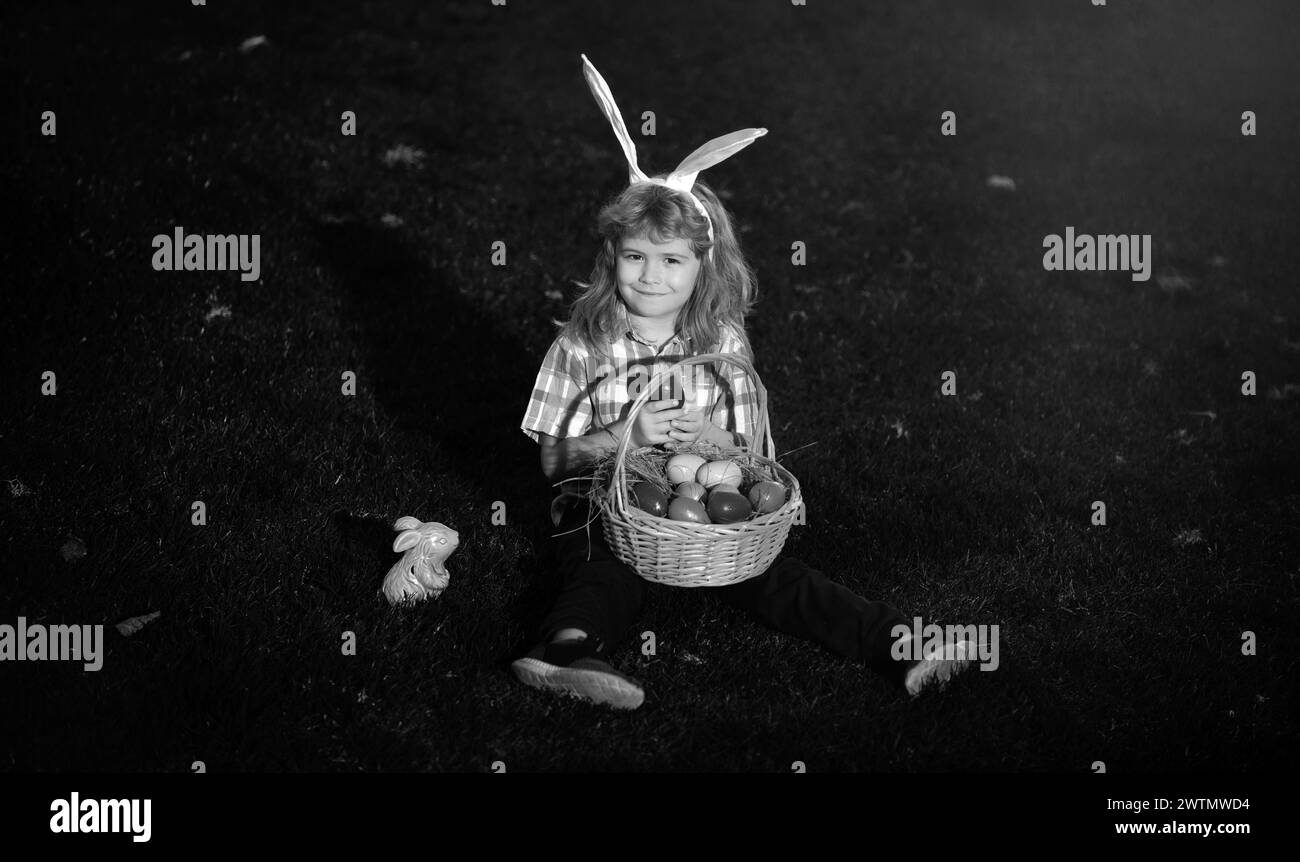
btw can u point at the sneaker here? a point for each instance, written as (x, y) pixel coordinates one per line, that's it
(933, 673)
(574, 667)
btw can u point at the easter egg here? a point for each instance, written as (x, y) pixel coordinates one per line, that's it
(693, 490)
(686, 509)
(767, 497)
(682, 467)
(719, 473)
(651, 499)
(728, 507)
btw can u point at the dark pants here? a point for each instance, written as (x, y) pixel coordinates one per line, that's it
(603, 597)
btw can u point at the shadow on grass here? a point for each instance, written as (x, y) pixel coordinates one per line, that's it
(454, 383)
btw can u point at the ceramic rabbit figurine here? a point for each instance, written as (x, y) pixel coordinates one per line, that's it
(421, 573)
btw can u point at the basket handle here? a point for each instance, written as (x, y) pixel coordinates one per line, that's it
(763, 437)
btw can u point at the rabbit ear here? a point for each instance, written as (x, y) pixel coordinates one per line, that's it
(605, 99)
(716, 150)
(409, 539)
(406, 522)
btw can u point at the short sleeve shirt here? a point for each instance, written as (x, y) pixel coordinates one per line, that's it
(577, 392)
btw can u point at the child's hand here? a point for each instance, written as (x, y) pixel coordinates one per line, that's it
(691, 426)
(655, 422)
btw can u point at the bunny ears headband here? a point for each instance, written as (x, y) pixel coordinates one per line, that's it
(683, 176)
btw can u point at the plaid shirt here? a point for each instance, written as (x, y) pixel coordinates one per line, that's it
(577, 393)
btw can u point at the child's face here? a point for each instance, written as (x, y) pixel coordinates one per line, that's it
(656, 280)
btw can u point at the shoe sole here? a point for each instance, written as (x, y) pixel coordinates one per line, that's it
(592, 685)
(935, 672)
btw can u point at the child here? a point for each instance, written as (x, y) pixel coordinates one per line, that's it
(670, 281)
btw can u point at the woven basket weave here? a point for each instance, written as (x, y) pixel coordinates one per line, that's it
(686, 554)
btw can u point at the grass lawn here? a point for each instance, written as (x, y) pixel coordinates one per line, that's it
(1120, 643)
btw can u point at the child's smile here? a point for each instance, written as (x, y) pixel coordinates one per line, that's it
(656, 281)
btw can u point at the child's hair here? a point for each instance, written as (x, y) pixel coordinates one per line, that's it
(725, 290)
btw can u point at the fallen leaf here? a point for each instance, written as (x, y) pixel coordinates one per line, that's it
(404, 155)
(132, 625)
(590, 153)
(1285, 392)
(222, 311)
(1173, 283)
(73, 549)
(251, 42)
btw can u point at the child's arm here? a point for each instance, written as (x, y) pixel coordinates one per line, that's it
(564, 457)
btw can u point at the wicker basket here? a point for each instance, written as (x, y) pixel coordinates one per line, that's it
(686, 554)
